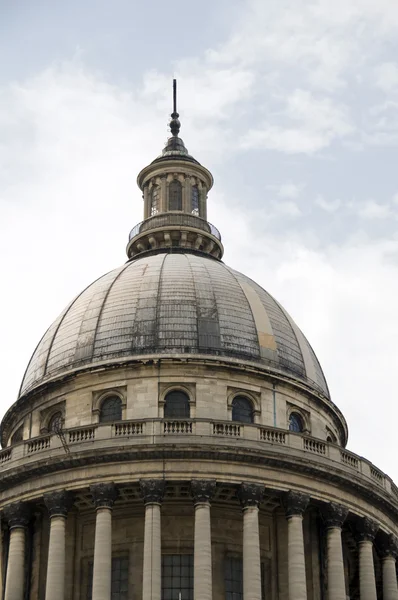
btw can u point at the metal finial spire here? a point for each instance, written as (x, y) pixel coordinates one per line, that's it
(175, 123)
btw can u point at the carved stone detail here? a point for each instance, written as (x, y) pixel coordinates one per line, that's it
(202, 490)
(366, 530)
(104, 494)
(334, 514)
(17, 514)
(152, 490)
(250, 494)
(296, 503)
(58, 503)
(389, 546)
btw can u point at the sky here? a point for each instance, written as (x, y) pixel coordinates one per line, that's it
(292, 105)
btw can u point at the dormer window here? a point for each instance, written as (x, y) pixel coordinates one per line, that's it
(195, 200)
(155, 200)
(175, 195)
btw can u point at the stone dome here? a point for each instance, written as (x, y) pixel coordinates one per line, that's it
(173, 304)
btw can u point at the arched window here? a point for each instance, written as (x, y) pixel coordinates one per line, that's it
(242, 410)
(296, 423)
(55, 423)
(111, 410)
(195, 200)
(155, 200)
(176, 405)
(175, 195)
(17, 436)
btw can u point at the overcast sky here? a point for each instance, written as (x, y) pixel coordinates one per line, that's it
(293, 106)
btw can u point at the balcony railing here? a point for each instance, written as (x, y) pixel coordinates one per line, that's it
(171, 219)
(102, 437)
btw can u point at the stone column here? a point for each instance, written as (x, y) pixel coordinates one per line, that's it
(17, 516)
(366, 532)
(334, 516)
(296, 503)
(389, 549)
(58, 503)
(104, 496)
(202, 491)
(250, 496)
(152, 491)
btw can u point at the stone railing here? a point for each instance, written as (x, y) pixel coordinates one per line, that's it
(179, 219)
(197, 431)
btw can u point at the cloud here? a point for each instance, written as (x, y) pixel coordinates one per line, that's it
(371, 209)
(387, 76)
(330, 206)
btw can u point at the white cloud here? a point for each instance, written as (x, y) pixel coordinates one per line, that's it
(387, 76)
(329, 206)
(370, 209)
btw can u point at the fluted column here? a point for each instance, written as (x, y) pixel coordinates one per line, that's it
(366, 532)
(334, 516)
(250, 496)
(152, 491)
(296, 504)
(104, 496)
(17, 516)
(202, 491)
(389, 550)
(58, 503)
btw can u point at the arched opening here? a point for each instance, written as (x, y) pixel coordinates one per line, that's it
(176, 405)
(242, 410)
(195, 200)
(175, 195)
(55, 423)
(296, 423)
(111, 410)
(17, 436)
(155, 200)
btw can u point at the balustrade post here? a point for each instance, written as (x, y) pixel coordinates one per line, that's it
(202, 491)
(104, 496)
(296, 504)
(58, 503)
(389, 549)
(334, 516)
(250, 496)
(366, 533)
(152, 491)
(17, 515)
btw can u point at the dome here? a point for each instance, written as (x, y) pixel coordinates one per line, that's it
(173, 304)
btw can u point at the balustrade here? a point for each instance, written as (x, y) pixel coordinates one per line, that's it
(42, 443)
(229, 429)
(311, 445)
(177, 427)
(273, 436)
(128, 428)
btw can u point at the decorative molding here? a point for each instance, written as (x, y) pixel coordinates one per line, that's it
(58, 503)
(295, 503)
(104, 494)
(152, 490)
(366, 529)
(17, 514)
(250, 494)
(334, 514)
(202, 490)
(389, 546)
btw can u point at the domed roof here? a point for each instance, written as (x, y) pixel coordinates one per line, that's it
(169, 304)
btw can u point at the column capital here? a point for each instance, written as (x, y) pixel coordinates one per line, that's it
(152, 490)
(334, 514)
(366, 529)
(17, 514)
(250, 494)
(389, 546)
(104, 494)
(295, 503)
(202, 490)
(58, 503)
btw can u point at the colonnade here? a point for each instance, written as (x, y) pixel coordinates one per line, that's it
(250, 496)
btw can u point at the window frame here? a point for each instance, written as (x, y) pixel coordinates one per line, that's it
(249, 401)
(177, 391)
(108, 398)
(175, 183)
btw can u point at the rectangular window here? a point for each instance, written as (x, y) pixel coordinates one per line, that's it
(234, 579)
(177, 577)
(120, 578)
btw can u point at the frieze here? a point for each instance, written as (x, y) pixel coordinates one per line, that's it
(250, 494)
(58, 503)
(104, 494)
(366, 529)
(152, 490)
(334, 514)
(202, 490)
(17, 514)
(296, 503)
